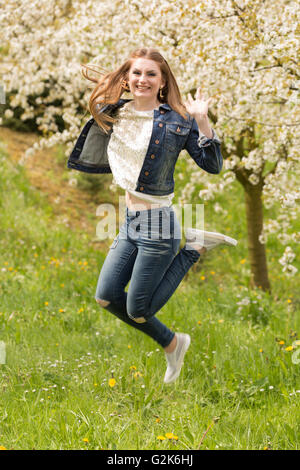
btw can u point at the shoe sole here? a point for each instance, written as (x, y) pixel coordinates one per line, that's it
(180, 361)
(214, 236)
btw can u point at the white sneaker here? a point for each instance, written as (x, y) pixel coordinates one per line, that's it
(175, 358)
(198, 239)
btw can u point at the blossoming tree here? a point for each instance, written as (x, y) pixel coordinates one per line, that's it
(243, 52)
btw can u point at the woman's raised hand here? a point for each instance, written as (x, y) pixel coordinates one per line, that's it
(198, 108)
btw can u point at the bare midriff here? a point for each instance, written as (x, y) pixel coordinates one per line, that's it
(135, 203)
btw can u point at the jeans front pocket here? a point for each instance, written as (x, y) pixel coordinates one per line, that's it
(114, 243)
(175, 245)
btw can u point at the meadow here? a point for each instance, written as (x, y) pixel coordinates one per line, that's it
(75, 377)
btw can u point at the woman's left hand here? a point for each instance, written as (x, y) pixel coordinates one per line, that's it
(198, 108)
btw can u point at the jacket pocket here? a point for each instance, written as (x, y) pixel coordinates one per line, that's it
(94, 151)
(176, 135)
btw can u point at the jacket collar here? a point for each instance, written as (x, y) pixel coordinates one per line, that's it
(165, 106)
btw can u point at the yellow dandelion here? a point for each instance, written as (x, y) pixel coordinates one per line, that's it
(85, 439)
(137, 374)
(199, 322)
(243, 261)
(212, 272)
(170, 435)
(161, 438)
(2, 448)
(261, 350)
(157, 420)
(209, 300)
(289, 301)
(10, 269)
(129, 346)
(46, 303)
(81, 310)
(132, 368)
(95, 385)
(289, 348)
(112, 382)
(221, 320)
(62, 285)
(281, 342)
(61, 310)
(202, 278)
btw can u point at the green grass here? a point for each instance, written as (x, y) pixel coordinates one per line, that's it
(62, 349)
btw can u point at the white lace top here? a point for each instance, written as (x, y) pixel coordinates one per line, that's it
(127, 148)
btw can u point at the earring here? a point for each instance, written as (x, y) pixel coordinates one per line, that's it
(160, 92)
(124, 85)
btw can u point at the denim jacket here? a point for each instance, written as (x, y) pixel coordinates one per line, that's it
(171, 133)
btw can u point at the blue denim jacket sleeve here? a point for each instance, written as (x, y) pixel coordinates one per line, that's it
(205, 151)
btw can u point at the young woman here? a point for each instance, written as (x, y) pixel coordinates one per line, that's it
(139, 141)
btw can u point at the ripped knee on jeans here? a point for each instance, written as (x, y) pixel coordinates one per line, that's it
(139, 320)
(103, 303)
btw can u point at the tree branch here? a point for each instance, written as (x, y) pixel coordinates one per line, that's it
(266, 67)
(284, 156)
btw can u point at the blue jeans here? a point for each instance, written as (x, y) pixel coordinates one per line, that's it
(145, 252)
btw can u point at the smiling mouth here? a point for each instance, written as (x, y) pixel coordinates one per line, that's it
(143, 88)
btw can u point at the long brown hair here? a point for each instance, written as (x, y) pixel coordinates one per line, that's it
(111, 85)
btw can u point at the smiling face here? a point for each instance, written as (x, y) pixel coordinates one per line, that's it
(145, 80)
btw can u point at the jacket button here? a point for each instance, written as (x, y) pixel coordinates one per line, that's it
(160, 124)
(162, 112)
(146, 173)
(152, 156)
(142, 188)
(157, 141)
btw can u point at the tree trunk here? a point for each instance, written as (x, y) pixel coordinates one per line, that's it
(257, 251)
